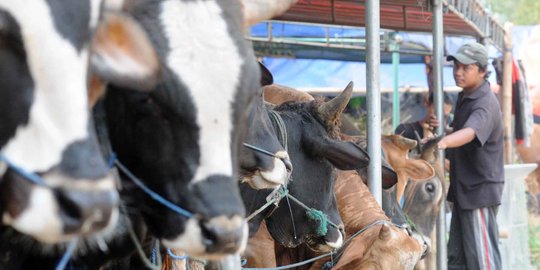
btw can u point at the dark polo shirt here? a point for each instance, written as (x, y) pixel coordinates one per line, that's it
(477, 168)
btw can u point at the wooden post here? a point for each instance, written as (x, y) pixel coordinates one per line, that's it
(507, 95)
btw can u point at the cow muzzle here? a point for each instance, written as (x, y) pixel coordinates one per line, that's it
(212, 239)
(331, 241)
(61, 212)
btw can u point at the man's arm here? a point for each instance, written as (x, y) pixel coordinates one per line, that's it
(457, 139)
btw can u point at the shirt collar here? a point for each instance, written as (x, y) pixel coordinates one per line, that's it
(482, 90)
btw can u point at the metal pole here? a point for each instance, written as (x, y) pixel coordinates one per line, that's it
(373, 59)
(438, 51)
(396, 107)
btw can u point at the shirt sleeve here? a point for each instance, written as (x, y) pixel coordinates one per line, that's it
(481, 122)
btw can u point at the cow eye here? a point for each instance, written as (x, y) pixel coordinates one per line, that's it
(430, 187)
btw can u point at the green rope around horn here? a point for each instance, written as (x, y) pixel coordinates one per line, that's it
(321, 219)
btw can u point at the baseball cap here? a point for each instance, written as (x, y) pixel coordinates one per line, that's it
(470, 53)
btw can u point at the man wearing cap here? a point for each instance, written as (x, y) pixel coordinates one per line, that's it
(475, 151)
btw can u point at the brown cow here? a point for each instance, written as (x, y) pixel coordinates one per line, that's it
(279, 94)
(380, 246)
(423, 200)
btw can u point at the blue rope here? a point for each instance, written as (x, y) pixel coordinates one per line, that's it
(151, 193)
(32, 177)
(154, 253)
(67, 255)
(176, 257)
(112, 159)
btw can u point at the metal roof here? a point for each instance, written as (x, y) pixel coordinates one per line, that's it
(461, 17)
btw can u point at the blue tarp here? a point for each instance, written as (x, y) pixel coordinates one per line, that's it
(305, 73)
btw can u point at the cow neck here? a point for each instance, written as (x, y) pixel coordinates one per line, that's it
(357, 206)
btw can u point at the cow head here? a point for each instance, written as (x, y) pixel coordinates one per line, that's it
(423, 198)
(396, 149)
(391, 248)
(259, 169)
(315, 150)
(184, 139)
(45, 127)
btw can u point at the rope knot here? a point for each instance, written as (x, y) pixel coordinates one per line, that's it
(321, 219)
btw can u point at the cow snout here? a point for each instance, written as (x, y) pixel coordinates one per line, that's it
(329, 242)
(224, 235)
(85, 212)
(334, 238)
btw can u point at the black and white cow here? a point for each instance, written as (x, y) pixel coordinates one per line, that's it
(45, 128)
(184, 139)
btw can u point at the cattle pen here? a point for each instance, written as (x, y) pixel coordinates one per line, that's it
(358, 21)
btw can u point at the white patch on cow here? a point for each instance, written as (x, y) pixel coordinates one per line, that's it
(58, 180)
(59, 112)
(40, 218)
(278, 175)
(113, 4)
(95, 8)
(191, 241)
(206, 59)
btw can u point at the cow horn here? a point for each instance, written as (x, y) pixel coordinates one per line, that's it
(332, 109)
(429, 150)
(259, 10)
(385, 233)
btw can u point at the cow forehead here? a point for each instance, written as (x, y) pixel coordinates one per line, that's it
(57, 59)
(194, 58)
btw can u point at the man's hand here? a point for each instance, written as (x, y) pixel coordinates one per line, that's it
(433, 122)
(442, 145)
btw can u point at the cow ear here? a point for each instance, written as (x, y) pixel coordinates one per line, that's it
(343, 155)
(122, 53)
(96, 89)
(266, 75)
(419, 170)
(259, 10)
(389, 177)
(416, 170)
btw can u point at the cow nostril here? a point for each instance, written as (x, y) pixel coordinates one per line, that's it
(223, 234)
(86, 211)
(209, 235)
(70, 212)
